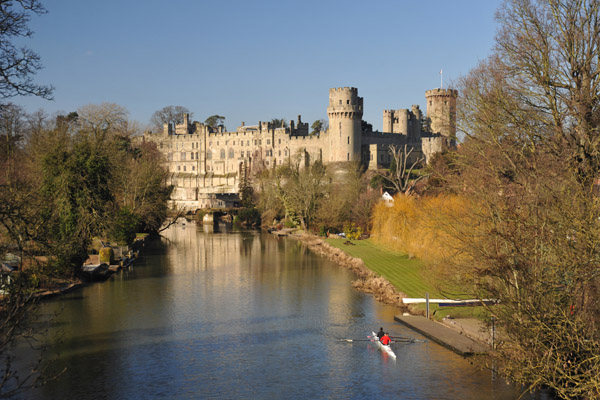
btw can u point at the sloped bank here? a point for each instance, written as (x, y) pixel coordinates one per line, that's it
(367, 281)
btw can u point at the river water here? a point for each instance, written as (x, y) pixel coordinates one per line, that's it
(242, 315)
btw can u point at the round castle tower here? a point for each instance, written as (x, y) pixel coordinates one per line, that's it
(441, 111)
(345, 113)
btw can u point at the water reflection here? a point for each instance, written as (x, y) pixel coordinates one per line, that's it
(244, 315)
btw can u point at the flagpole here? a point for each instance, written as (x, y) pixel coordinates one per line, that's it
(441, 79)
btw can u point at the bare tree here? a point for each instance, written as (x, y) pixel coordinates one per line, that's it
(531, 118)
(172, 115)
(401, 175)
(19, 64)
(105, 117)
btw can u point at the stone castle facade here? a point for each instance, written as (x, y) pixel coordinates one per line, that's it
(208, 165)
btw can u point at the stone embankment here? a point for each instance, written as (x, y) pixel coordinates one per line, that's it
(367, 281)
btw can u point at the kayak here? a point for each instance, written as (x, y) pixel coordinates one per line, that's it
(385, 348)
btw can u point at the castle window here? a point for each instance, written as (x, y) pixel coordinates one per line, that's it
(217, 142)
(279, 153)
(184, 168)
(196, 155)
(209, 155)
(429, 102)
(231, 153)
(182, 156)
(348, 156)
(348, 139)
(340, 102)
(347, 101)
(222, 154)
(247, 143)
(192, 154)
(279, 141)
(268, 141)
(178, 168)
(193, 168)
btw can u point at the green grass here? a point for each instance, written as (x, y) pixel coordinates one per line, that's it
(407, 275)
(402, 272)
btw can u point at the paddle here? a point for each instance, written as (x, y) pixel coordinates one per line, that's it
(400, 339)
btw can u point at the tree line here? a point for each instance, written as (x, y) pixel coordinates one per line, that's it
(68, 179)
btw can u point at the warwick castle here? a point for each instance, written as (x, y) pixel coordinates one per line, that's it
(207, 165)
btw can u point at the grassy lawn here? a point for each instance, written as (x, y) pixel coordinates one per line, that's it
(404, 273)
(397, 268)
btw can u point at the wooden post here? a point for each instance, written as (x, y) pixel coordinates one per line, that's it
(493, 331)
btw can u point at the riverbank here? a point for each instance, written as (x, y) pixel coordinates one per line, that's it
(57, 287)
(367, 281)
(446, 331)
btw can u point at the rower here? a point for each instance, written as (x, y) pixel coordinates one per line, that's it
(380, 333)
(386, 339)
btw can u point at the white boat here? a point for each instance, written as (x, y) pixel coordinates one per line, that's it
(385, 348)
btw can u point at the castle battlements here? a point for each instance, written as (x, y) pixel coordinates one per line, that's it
(344, 89)
(442, 92)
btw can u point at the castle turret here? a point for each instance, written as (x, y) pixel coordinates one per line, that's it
(396, 121)
(414, 133)
(441, 111)
(184, 127)
(345, 113)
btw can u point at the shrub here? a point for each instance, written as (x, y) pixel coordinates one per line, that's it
(352, 231)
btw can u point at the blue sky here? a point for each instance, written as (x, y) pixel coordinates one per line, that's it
(254, 60)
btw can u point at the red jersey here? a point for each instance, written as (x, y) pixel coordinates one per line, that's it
(385, 340)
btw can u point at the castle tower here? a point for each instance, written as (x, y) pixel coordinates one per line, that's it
(441, 111)
(345, 113)
(396, 121)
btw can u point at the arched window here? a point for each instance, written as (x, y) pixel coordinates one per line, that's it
(222, 154)
(231, 153)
